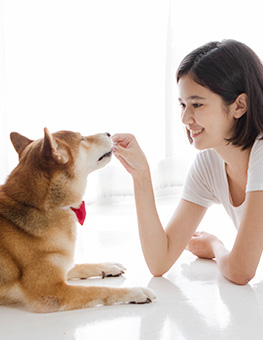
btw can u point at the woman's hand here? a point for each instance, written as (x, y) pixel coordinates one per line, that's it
(202, 245)
(128, 152)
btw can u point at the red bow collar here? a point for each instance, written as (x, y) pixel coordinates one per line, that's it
(80, 212)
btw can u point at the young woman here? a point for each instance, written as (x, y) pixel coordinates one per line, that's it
(221, 97)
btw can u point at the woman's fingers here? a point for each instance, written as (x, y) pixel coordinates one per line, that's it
(123, 139)
(126, 148)
(118, 149)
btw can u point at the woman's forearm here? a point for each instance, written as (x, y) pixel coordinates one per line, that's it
(230, 267)
(153, 238)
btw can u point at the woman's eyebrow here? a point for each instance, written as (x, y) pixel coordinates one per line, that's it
(192, 97)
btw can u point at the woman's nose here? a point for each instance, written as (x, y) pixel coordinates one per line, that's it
(187, 116)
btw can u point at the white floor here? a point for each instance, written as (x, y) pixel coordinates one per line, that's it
(193, 300)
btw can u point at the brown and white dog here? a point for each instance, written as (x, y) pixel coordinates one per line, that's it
(38, 225)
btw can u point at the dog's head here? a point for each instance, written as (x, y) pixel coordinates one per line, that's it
(61, 161)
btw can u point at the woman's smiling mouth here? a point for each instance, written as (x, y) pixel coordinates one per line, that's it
(196, 133)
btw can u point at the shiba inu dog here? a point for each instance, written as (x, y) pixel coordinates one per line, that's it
(38, 206)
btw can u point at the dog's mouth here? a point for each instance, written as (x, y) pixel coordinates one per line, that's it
(107, 154)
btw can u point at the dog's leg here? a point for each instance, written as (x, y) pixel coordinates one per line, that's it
(61, 297)
(11, 293)
(9, 279)
(83, 271)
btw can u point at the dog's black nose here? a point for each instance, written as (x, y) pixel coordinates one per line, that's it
(107, 133)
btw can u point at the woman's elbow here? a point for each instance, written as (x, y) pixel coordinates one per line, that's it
(158, 272)
(241, 279)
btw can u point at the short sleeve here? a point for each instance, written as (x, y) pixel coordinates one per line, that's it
(255, 168)
(198, 187)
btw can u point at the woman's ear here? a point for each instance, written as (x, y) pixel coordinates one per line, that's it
(240, 106)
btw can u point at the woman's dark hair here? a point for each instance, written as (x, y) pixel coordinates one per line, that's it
(229, 68)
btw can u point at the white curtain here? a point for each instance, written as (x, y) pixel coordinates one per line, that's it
(88, 66)
(3, 130)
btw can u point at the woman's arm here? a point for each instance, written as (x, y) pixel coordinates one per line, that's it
(240, 264)
(161, 248)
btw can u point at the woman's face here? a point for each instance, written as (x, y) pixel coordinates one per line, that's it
(204, 114)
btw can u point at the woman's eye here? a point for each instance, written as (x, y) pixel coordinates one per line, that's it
(182, 105)
(196, 105)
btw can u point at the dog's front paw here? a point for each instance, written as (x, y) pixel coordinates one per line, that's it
(112, 269)
(141, 295)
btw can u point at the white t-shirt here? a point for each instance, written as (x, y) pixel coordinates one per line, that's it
(207, 183)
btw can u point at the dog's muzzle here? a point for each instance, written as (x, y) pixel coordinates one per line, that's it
(107, 154)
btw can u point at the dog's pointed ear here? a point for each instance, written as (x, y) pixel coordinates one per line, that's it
(54, 149)
(19, 142)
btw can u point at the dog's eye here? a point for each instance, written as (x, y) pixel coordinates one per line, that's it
(82, 139)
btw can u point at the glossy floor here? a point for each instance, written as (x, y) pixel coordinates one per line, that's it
(193, 300)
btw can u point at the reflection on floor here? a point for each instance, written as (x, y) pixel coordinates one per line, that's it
(193, 300)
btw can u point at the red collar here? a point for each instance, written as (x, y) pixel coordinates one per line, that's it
(80, 212)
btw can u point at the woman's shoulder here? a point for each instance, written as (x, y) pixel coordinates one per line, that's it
(255, 167)
(256, 154)
(257, 147)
